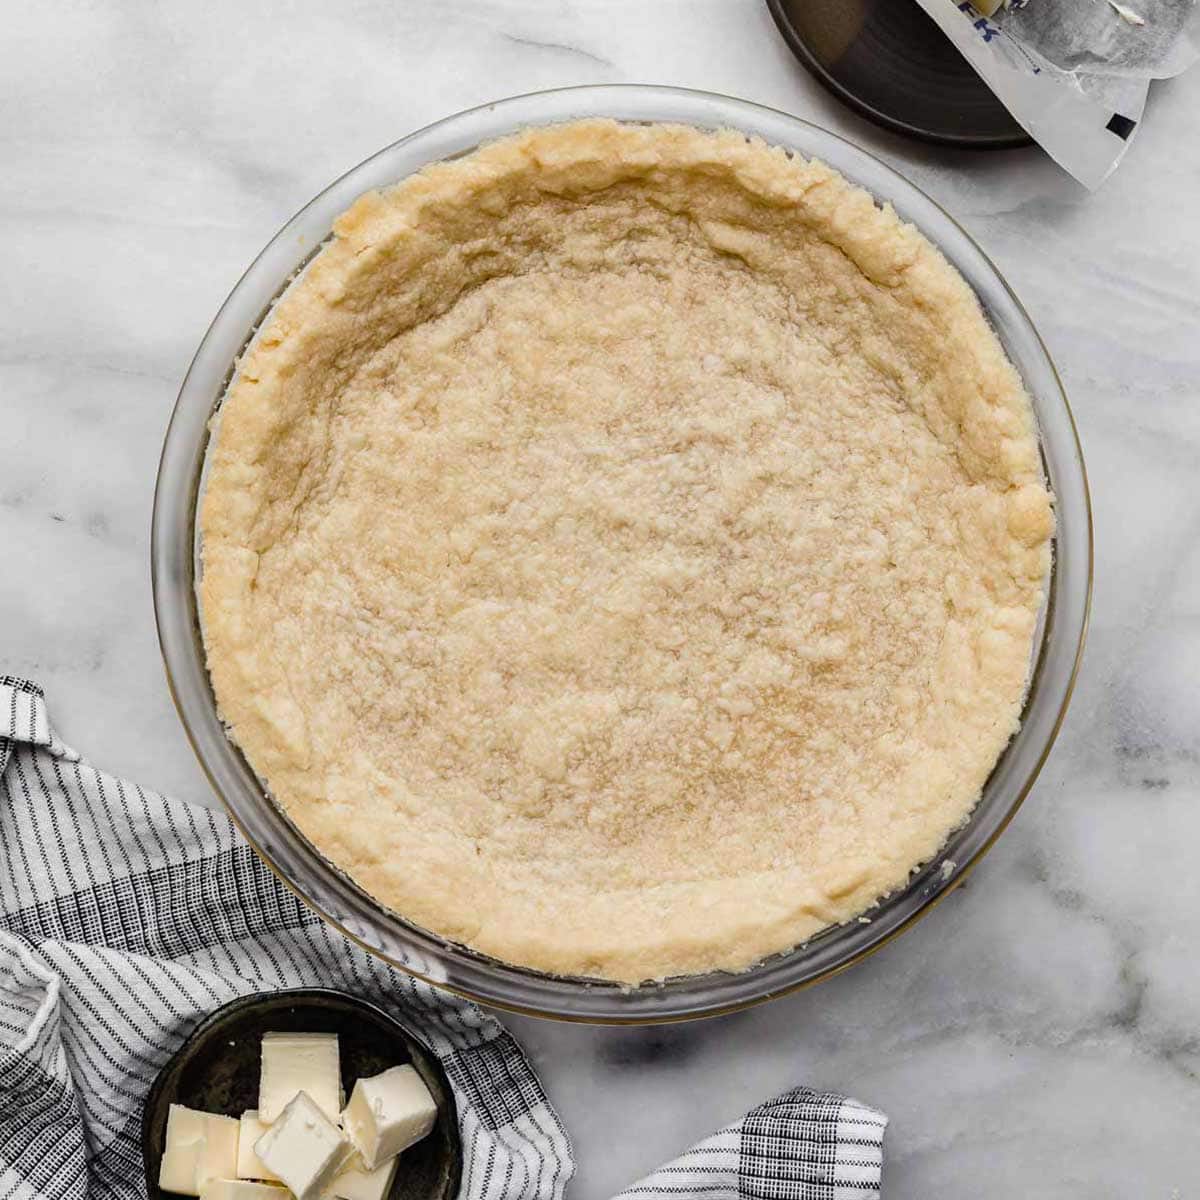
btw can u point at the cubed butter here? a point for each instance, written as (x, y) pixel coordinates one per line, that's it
(299, 1062)
(357, 1183)
(303, 1148)
(388, 1113)
(208, 1140)
(185, 1124)
(219, 1160)
(249, 1166)
(242, 1189)
(180, 1168)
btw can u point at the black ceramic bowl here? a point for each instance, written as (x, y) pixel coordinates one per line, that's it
(217, 1070)
(889, 60)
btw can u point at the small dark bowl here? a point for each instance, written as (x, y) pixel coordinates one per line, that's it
(217, 1070)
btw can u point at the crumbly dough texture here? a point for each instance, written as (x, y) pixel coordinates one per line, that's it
(622, 549)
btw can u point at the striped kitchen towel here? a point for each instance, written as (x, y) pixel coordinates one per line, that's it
(126, 916)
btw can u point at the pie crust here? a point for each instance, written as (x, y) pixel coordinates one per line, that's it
(622, 549)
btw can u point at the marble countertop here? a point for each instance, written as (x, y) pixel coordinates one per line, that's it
(1039, 1033)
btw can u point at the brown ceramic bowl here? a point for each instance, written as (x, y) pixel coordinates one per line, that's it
(217, 1070)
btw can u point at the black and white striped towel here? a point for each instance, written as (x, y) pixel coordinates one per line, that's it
(126, 916)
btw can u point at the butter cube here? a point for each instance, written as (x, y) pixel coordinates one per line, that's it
(180, 1168)
(185, 1124)
(248, 1164)
(205, 1142)
(357, 1183)
(299, 1062)
(303, 1148)
(219, 1160)
(388, 1113)
(242, 1189)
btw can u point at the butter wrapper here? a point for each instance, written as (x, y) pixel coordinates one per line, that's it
(1075, 73)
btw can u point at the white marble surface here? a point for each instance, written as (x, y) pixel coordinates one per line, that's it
(1039, 1034)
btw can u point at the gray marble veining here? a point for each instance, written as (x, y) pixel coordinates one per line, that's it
(1038, 1035)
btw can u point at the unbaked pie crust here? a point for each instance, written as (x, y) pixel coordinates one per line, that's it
(622, 549)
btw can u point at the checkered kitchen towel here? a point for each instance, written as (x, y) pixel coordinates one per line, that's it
(126, 916)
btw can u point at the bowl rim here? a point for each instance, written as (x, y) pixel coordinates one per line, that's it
(300, 995)
(434, 959)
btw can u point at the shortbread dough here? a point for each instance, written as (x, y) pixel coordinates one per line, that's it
(622, 550)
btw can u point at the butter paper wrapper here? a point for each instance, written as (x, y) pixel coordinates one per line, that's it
(1075, 73)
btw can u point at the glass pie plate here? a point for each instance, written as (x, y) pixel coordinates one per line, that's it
(174, 557)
